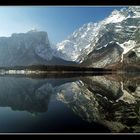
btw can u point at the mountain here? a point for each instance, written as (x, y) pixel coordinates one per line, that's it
(111, 43)
(120, 30)
(28, 48)
(133, 56)
(104, 57)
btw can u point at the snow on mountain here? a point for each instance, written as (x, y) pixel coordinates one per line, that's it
(102, 57)
(24, 48)
(31, 48)
(71, 48)
(119, 27)
(127, 46)
(115, 17)
(89, 41)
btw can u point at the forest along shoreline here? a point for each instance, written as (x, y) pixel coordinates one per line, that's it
(56, 70)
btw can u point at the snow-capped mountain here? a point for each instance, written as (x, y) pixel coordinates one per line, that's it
(28, 48)
(77, 42)
(110, 41)
(103, 57)
(22, 49)
(120, 27)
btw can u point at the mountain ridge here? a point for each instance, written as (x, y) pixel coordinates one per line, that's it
(109, 42)
(121, 27)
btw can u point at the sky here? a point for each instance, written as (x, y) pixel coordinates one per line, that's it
(58, 22)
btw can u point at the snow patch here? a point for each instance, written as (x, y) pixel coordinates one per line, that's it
(132, 27)
(117, 30)
(115, 17)
(127, 46)
(103, 46)
(87, 46)
(60, 46)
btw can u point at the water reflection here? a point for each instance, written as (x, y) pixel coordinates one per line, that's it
(110, 100)
(106, 100)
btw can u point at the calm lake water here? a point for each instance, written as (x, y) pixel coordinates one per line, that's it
(97, 104)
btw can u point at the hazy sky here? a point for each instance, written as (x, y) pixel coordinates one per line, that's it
(59, 22)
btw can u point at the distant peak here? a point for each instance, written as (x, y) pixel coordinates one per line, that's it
(114, 12)
(134, 8)
(33, 30)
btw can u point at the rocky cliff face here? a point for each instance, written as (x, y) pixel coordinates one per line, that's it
(29, 48)
(108, 55)
(121, 28)
(22, 49)
(112, 41)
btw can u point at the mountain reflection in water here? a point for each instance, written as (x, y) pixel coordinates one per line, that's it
(105, 103)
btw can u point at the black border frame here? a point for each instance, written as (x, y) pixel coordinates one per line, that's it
(69, 2)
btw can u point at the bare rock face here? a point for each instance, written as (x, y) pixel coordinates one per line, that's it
(103, 57)
(89, 44)
(31, 48)
(22, 48)
(114, 40)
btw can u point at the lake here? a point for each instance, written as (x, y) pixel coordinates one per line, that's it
(107, 103)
